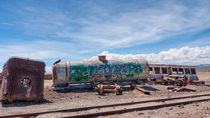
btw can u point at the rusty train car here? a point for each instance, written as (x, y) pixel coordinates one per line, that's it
(101, 70)
(157, 70)
(22, 79)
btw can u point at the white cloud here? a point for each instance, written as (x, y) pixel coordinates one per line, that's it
(142, 26)
(38, 50)
(48, 69)
(103, 30)
(184, 55)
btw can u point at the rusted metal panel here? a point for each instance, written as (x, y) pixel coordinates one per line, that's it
(22, 79)
(65, 73)
(0, 78)
(47, 76)
(195, 82)
(142, 91)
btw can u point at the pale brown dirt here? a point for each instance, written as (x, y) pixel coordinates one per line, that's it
(205, 76)
(87, 97)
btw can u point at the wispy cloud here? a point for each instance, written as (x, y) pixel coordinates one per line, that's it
(37, 50)
(184, 55)
(126, 29)
(48, 69)
(54, 31)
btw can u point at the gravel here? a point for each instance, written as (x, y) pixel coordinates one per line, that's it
(88, 97)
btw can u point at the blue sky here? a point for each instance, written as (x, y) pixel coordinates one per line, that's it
(161, 31)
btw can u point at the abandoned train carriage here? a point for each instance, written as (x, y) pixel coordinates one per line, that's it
(157, 70)
(102, 70)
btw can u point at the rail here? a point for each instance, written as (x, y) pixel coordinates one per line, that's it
(123, 107)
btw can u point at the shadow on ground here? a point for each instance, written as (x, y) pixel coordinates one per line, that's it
(20, 103)
(149, 88)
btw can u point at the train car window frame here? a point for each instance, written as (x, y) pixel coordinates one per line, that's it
(164, 70)
(157, 70)
(150, 68)
(193, 71)
(174, 70)
(187, 71)
(180, 70)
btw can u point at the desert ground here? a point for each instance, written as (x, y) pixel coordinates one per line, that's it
(205, 76)
(88, 97)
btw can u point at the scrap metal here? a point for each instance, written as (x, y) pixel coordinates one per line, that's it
(47, 76)
(142, 91)
(178, 80)
(194, 82)
(22, 79)
(181, 89)
(116, 88)
(165, 70)
(98, 71)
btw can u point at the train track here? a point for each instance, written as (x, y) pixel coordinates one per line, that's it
(103, 110)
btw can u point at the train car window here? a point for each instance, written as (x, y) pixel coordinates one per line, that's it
(157, 70)
(187, 71)
(193, 71)
(150, 69)
(181, 71)
(174, 70)
(164, 70)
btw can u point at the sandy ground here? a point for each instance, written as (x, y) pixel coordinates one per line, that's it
(204, 76)
(194, 110)
(87, 97)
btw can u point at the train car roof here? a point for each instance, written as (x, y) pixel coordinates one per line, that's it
(171, 65)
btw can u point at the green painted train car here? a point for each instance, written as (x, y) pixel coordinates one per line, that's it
(102, 70)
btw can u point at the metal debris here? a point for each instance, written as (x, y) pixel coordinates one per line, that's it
(116, 89)
(195, 82)
(22, 79)
(178, 80)
(47, 76)
(142, 91)
(181, 89)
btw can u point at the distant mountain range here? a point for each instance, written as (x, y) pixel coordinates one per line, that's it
(203, 68)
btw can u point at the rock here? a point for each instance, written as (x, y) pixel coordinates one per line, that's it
(140, 113)
(171, 108)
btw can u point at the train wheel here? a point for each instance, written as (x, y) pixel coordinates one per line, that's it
(179, 83)
(118, 91)
(132, 86)
(164, 82)
(101, 90)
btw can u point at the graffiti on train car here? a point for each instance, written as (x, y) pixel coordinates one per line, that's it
(84, 72)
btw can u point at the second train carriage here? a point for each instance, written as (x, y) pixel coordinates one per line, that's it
(157, 70)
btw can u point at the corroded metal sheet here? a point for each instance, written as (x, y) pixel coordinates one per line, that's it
(22, 79)
(47, 76)
(95, 71)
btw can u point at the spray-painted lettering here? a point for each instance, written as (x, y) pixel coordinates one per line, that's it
(82, 72)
